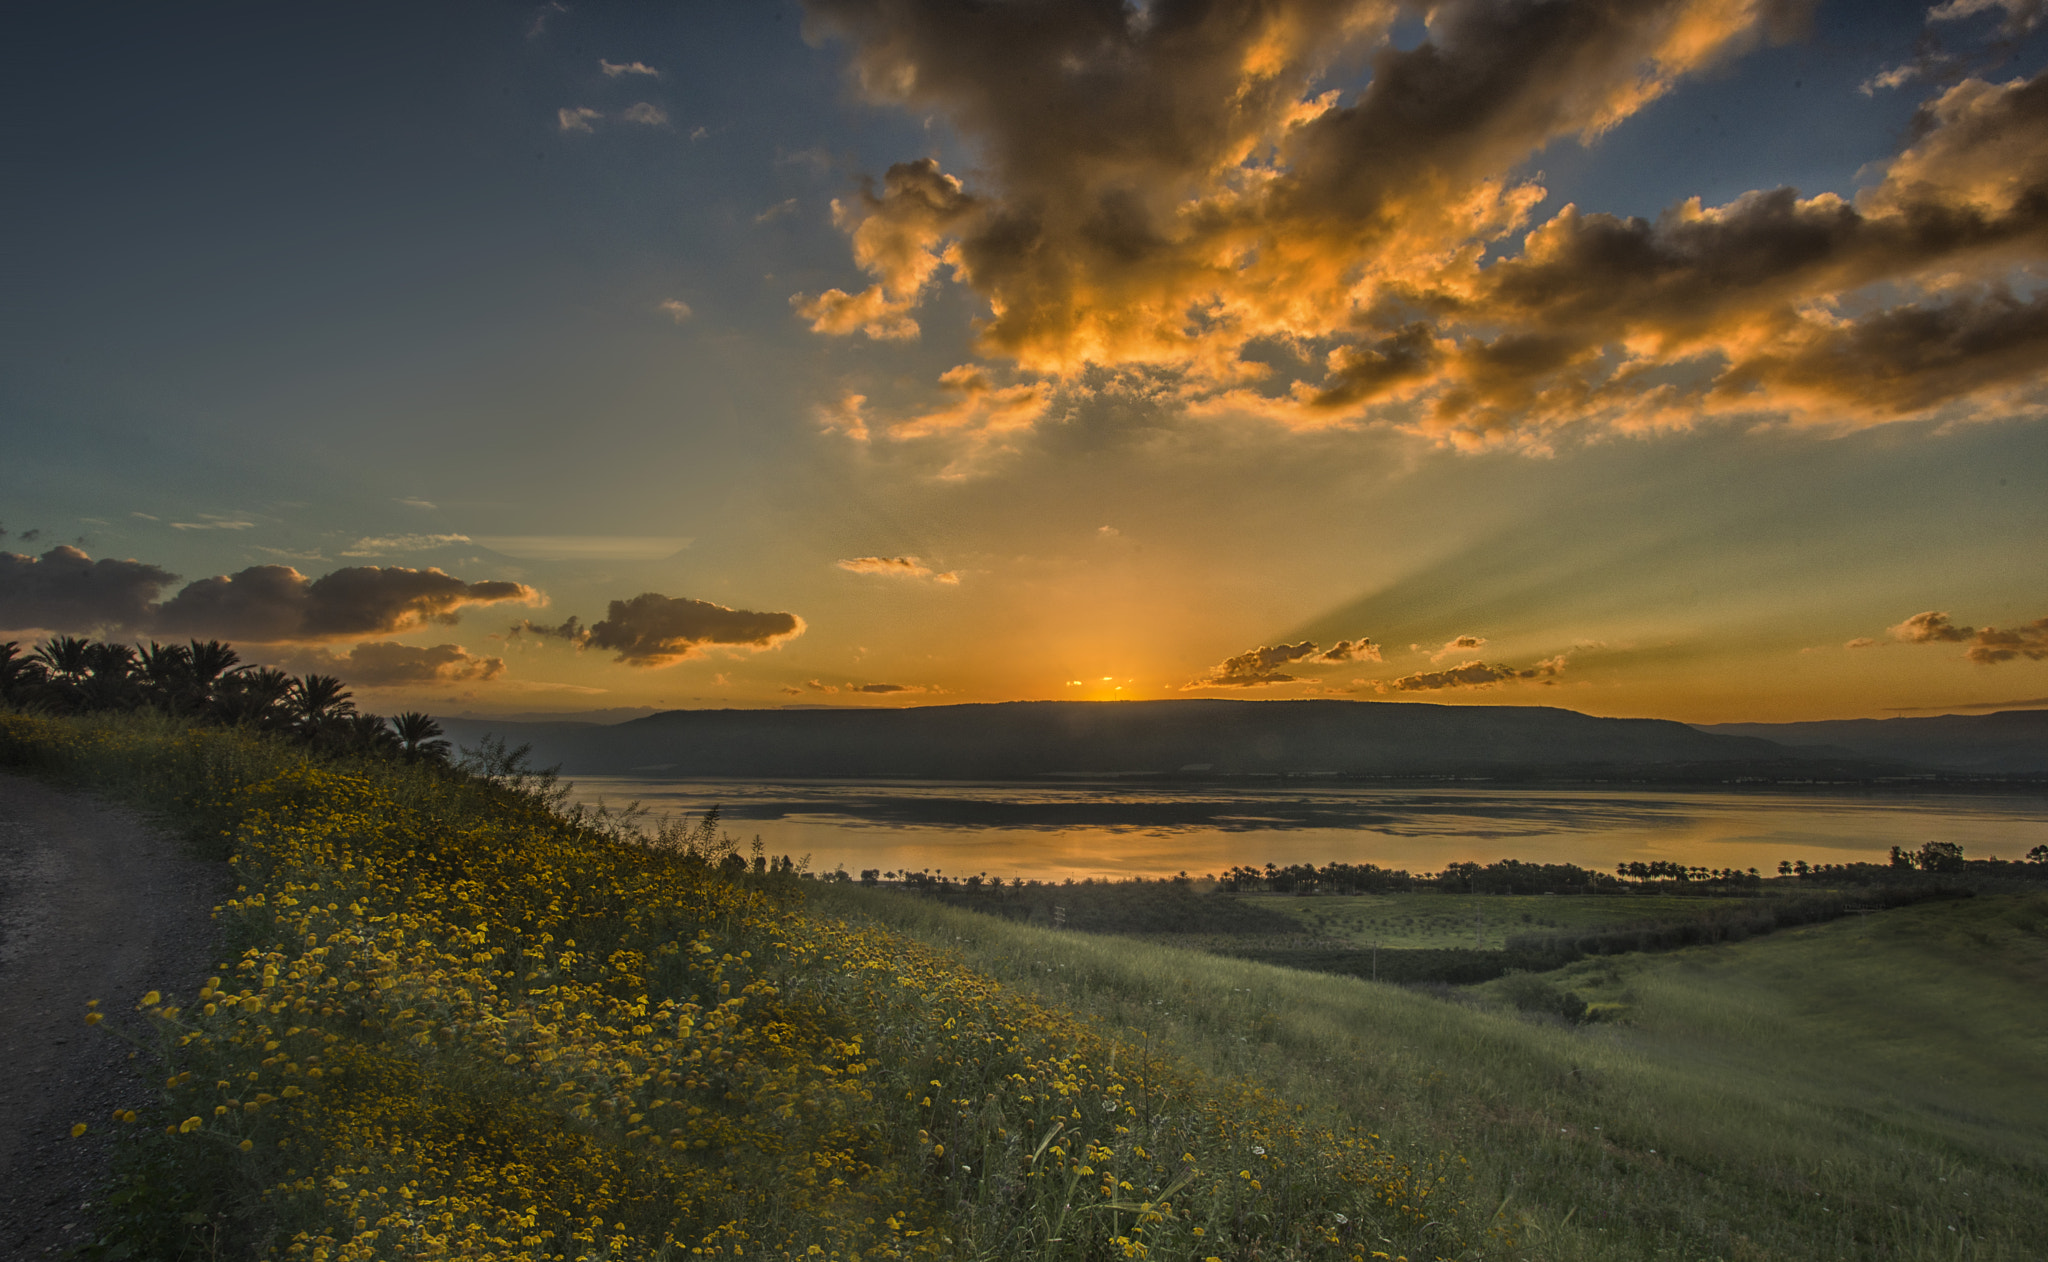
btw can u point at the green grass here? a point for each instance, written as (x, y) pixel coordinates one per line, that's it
(1868, 1088)
(1431, 920)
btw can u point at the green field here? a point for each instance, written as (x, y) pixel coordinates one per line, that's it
(1435, 920)
(1868, 1088)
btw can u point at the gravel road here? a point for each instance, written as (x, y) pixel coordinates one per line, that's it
(94, 904)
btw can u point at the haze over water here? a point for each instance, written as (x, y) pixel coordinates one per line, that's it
(1117, 829)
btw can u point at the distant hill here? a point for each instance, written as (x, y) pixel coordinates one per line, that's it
(1039, 738)
(2010, 742)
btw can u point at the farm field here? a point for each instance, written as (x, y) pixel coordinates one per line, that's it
(1861, 1089)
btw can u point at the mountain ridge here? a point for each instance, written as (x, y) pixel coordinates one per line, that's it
(1027, 739)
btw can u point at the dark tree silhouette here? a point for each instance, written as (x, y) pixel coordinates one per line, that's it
(420, 737)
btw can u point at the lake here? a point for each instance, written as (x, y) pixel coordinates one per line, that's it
(1119, 828)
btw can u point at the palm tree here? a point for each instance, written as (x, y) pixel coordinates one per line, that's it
(366, 734)
(420, 737)
(317, 699)
(212, 660)
(65, 657)
(251, 696)
(18, 675)
(168, 668)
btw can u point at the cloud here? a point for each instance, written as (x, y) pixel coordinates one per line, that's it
(2029, 640)
(571, 630)
(66, 590)
(2021, 16)
(777, 211)
(418, 503)
(388, 664)
(981, 420)
(1473, 674)
(897, 567)
(812, 685)
(578, 118)
(1256, 667)
(1932, 627)
(209, 521)
(614, 70)
(539, 25)
(844, 417)
(586, 547)
(1988, 646)
(885, 689)
(655, 630)
(645, 113)
(381, 545)
(896, 238)
(1462, 644)
(1864, 642)
(1362, 649)
(275, 604)
(675, 309)
(1263, 665)
(1186, 188)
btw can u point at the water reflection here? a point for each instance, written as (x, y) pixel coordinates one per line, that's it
(1116, 828)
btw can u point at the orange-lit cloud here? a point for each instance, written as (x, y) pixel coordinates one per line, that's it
(1474, 674)
(1264, 665)
(387, 664)
(1458, 645)
(1988, 645)
(655, 630)
(1362, 649)
(1183, 189)
(897, 567)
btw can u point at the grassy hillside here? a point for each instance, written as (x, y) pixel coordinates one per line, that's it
(1436, 920)
(457, 1024)
(1867, 1088)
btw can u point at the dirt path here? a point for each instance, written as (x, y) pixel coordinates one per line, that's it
(94, 904)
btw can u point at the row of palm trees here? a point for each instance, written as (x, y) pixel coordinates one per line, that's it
(207, 681)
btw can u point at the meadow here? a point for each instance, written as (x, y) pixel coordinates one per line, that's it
(456, 1021)
(1865, 1088)
(453, 1021)
(1435, 921)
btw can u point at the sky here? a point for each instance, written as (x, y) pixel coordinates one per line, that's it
(1681, 358)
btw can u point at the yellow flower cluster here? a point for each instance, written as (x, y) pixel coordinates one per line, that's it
(461, 1026)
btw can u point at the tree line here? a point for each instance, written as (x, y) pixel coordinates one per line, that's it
(208, 682)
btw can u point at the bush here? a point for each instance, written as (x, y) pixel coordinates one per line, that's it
(1533, 994)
